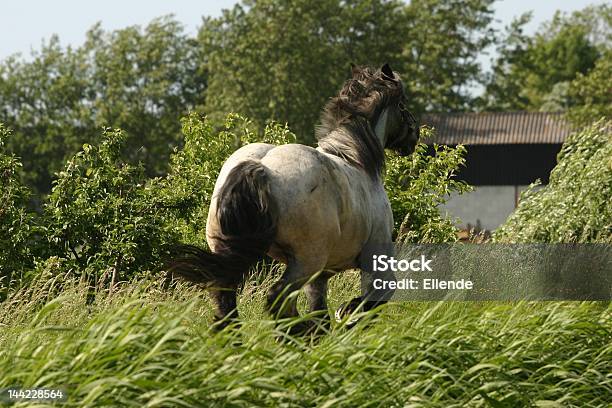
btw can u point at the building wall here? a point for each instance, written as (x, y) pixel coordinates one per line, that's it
(490, 204)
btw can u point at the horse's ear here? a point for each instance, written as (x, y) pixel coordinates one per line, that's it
(355, 70)
(387, 72)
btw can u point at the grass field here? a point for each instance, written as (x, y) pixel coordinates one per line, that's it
(142, 346)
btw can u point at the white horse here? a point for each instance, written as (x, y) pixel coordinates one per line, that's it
(313, 209)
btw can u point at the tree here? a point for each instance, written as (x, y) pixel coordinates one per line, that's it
(440, 49)
(281, 60)
(44, 102)
(143, 81)
(592, 94)
(533, 73)
(139, 80)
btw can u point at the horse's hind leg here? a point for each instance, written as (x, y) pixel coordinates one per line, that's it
(281, 299)
(224, 301)
(316, 293)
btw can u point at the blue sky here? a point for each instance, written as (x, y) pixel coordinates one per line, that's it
(24, 23)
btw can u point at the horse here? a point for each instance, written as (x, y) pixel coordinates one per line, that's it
(313, 209)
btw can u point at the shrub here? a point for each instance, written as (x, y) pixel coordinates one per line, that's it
(102, 216)
(17, 226)
(418, 184)
(575, 205)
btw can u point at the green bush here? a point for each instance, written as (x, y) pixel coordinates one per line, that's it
(16, 222)
(102, 216)
(418, 184)
(575, 205)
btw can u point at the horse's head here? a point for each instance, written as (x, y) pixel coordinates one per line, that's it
(395, 126)
(368, 115)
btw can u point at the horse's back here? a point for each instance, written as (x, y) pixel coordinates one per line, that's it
(294, 169)
(320, 200)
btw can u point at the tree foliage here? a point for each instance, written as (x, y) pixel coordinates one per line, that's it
(440, 50)
(592, 94)
(144, 80)
(140, 80)
(267, 59)
(534, 72)
(282, 60)
(41, 100)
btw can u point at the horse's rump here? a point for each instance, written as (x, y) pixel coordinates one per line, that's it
(247, 216)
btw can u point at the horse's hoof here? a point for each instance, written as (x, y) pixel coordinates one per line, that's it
(345, 313)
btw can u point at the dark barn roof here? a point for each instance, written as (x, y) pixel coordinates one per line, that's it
(503, 148)
(495, 128)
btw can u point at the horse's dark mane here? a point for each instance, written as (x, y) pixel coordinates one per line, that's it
(351, 114)
(356, 144)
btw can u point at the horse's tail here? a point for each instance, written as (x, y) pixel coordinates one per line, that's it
(248, 217)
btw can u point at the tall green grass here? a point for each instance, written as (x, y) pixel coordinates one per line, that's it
(142, 346)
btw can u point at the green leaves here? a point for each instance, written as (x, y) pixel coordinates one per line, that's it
(418, 184)
(17, 227)
(592, 94)
(440, 48)
(282, 61)
(575, 205)
(139, 80)
(101, 214)
(533, 72)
